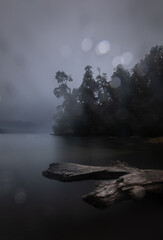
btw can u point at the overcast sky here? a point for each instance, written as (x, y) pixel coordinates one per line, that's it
(40, 37)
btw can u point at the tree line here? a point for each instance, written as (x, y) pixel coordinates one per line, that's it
(128, 104)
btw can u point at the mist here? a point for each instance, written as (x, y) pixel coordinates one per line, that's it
(38, 38)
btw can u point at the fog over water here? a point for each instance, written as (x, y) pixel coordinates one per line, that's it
(38, 38)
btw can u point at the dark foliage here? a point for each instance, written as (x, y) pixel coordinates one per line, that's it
(131, 103)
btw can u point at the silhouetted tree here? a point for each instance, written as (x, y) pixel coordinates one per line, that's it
(131, 103)
(62, 117)
(147, 79)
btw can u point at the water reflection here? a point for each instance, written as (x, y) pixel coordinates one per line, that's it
(33, 207)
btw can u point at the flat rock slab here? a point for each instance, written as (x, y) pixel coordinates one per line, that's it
(70, 172)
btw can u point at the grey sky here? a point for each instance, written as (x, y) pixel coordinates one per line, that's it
(40, 37)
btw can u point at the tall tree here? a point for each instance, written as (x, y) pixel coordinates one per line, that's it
(88, 87)
(147, 79)
(62, 117)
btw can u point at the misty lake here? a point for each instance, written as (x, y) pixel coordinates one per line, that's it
(33, 207)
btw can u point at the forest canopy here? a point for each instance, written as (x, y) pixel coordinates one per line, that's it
(128, 104)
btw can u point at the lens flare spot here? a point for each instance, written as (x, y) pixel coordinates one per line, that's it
(66, 51)
(86, 44)
(127, 58)
(102, 48)
(115, 82)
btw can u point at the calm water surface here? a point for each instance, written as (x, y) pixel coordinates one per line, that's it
(33, 207)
